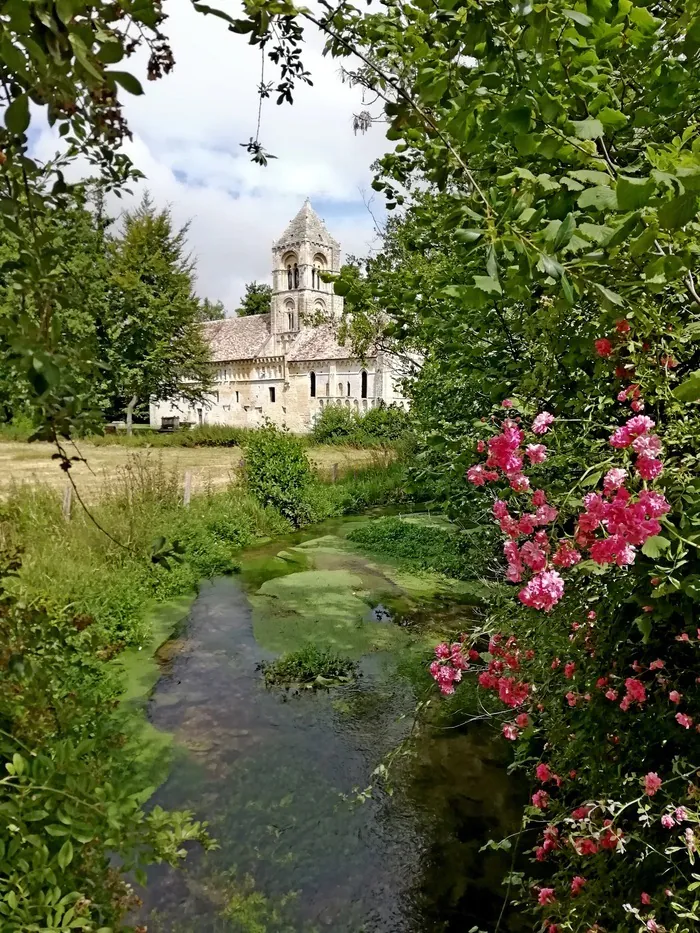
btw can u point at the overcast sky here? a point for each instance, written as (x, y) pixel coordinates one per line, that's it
(187, 129)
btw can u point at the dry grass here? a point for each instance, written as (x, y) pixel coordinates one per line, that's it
(211, 467)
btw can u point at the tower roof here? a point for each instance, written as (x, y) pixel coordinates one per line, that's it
(307, 225)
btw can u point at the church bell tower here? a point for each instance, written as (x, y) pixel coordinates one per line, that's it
(299, 297)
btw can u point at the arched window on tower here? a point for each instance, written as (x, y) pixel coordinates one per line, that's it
(296, 276)
(312, 384)
(290, 279)
(290, 320)
(348, 390)
(313, 277)
(363, 390)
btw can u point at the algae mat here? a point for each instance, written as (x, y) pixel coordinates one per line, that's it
(329, 601)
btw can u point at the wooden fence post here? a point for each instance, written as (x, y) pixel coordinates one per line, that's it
(188, 489)
(67, 501)
(334, 472)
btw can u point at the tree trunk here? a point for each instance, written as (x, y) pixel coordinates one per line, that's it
(130, 414)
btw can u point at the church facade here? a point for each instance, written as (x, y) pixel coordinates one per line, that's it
(287, 365)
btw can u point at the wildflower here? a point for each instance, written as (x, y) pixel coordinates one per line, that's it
(577, 885)
(622, 326)
(512, 692)
(506, 403)
(510, 731)
(580, 813)
(479, 475)
(603, 347)
(645, 899)
(610, 839)
(534, 556)
(555, 664)
(652, 783)
(611, 694)
(680, 813)
(667, 821)
(536, 453)
(675, 697)
(481, 446)
(442, 651)
(683, 720)
(520, 483)
(540, 799)
(523, 720)
(648, 467)
(546, 896)
(571, 698)
(637, 404)
(569, 669)
(542, 422)
(649, 444)
(539, 497)
(636, 691)
(500, 509)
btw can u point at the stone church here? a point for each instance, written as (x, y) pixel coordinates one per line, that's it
(288, 364)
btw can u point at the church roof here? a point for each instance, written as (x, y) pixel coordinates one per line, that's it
(318, 343)
(237, 338)
(307, 225)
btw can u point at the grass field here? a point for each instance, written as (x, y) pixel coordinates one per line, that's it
(211, 467)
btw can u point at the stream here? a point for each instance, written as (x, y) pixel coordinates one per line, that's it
(279, 774)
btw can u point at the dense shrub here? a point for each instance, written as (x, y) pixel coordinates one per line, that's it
(376, 427)
(278, 473)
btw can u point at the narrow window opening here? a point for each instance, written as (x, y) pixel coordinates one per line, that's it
(272, 393)
(296, 276)
(363, 392)
(237, 397)
(312, 385)
(348, 390)
(290, 281)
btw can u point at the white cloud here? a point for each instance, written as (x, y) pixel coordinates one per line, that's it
(187, 132)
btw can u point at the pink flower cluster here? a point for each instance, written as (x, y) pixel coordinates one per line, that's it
(628, 522)
(635, 434)
(448, 665)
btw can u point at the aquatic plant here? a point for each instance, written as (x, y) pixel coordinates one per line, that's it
(309, 667)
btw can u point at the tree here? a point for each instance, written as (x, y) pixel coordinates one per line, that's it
(211, 310)
(256, 299)
(154, 347)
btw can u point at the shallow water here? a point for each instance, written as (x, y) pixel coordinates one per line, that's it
(277, 773)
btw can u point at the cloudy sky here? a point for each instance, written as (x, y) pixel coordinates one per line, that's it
(187, 130)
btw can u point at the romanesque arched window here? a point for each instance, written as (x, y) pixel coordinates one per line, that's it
(348, 389)
(290, 277)
(312, 384)
(296, 276)
(313, 277)
(363, 390)
(319, 264)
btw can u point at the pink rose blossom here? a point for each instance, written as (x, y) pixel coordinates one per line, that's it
(543, 591)
(540, 799)
(603, 347)
(536, 453)
(645, 899)
(577, 885)
(543, 772)
(569, 669)
(667, 821)
(683, 720)
(539, 497)
(442, 651)
(542, 422)
(566, 555)
(652, 783)
(510, 731)
(520, 483)
(675, 697)
(546, 896)
(613, 480)
(680, 813)
(649, 444)
(656, 665)
(648, 467)
(506, 403)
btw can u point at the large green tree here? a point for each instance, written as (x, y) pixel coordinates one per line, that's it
(256, 299)
(154, 346)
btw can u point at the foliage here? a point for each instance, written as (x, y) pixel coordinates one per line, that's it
(377, 426)
(309, 667)
(256, 299)
(278, 473)
(211, 310)
(420, 545)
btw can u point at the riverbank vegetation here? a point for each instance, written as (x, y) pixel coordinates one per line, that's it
(310, 668)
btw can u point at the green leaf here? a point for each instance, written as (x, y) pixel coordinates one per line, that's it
(633, 193)
(581, 18)
(679, 211)
(591, 176)
(550, 266)
(18, 763)
(653, 547)
(612, 119)
(689, 389)
(17, 115)
(491, 264)
(519, 119)
(83, 56)
(468, 235)
(65, 10)
(487, 284)
(567, 290)
(127, 81)
(588, 129)
(65, 855)
(625, 230)
(600, 198)
(611, 297)
(643, 623)
(565, 232)
(111, 53)
(643, 242)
